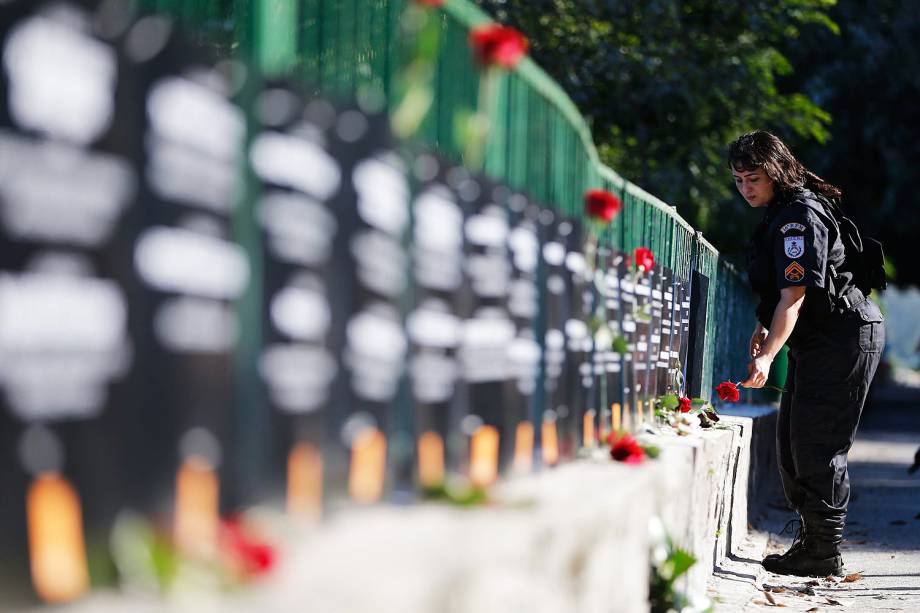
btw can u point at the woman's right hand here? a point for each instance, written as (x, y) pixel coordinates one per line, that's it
(757, 340)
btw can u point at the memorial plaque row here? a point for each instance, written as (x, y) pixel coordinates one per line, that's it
(346, 322)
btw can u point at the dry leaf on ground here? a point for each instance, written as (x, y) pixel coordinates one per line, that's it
(852, 577)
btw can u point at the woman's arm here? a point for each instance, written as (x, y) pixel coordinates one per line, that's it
(784, 319)
(757, 340)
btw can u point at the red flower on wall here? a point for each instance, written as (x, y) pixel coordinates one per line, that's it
(624, 448)
(685, 405)
(728, 391)
(644, 258)
(496, 45)
(601, 205)
(252, 555)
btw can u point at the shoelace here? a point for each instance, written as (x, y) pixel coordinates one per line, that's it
(799, 537)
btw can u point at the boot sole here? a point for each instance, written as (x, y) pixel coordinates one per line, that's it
(821, 571)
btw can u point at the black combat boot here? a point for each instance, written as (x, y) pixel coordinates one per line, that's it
(816, 554)
(797, 541)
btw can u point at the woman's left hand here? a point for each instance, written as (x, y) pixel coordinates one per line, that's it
(758, 370)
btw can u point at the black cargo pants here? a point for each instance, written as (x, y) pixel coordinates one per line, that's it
(830, 370)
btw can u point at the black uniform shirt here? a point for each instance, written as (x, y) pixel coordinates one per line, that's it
(793, 246)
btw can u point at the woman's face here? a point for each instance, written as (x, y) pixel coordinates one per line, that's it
(754, 185)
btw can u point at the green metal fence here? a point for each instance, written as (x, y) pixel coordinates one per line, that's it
(539, 142)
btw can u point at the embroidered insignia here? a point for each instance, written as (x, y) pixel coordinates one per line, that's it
(792, 226)
(794, 246)
(794, 272)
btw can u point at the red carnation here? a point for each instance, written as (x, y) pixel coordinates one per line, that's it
(728, 391)
(644, 257)
(624, 448)
(685, 405)
(431, 3)
(601, 205)
(254, 556)
(496, 45)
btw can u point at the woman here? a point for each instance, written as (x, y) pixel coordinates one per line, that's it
(809, 302)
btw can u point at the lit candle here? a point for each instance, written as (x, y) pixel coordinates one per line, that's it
(523, 447)
(615, 409)
(368, 464)
(57, 551)
(197, 507)
(588, 437)
(430, 459)
(550, 442)
(305, 482)
(484, 456)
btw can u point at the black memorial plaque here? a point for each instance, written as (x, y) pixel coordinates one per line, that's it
(189, 272)
(655, 335)
(369, 280)
(441, 295)
(616, 350)
(629, 327)
(488, 327)
(641, 357)
(297, 227)
(579, 340)
(66, 184)
(524, 353)
(558, 312)
(664, 380)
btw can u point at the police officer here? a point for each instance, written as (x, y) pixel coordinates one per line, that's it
(808, 301)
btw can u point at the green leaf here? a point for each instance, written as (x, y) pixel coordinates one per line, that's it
(620, 345)
(652, 451)
(679, 562)
(669, 401)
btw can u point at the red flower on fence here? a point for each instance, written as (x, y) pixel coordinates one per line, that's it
(601, 205)
(685, 404)
(624, 448)
(496, 45)
(644, 257)
(728, 391)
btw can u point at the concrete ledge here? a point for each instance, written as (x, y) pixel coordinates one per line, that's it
(574, 538)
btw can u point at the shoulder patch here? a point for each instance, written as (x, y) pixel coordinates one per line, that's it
(794, 272)
(792, 226)
(794, 246)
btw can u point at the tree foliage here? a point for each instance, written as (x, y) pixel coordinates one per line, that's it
(667, 84)
(868, 78)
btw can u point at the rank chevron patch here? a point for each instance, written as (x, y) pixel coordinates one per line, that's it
(794, 272)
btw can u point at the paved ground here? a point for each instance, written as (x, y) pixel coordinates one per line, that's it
(882, 542)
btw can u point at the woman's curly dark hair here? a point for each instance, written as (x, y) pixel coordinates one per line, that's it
(760, 149)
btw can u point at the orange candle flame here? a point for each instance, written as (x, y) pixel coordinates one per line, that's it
(523, 447)
(430, 459)
(305, 483)
(197, 508)
(615, 409)
(550, 442)
(367, 471)
(484, 456)
(588, 436)
(57, 550)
